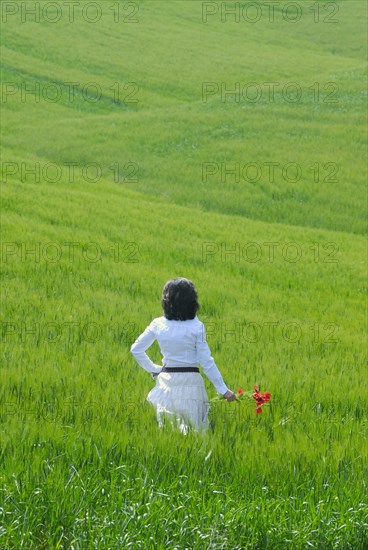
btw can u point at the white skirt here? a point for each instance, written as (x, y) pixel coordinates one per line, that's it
(181, 398)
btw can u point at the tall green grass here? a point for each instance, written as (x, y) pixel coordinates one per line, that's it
(83, 463)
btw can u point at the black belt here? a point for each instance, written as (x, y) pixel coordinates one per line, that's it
(180, 369)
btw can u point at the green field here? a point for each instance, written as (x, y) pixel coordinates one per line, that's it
(152, 139)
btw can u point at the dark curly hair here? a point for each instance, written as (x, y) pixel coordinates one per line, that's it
(179, 299)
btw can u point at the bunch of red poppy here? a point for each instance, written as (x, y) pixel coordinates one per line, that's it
(259, 398)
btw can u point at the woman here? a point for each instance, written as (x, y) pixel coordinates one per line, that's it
(179, 393)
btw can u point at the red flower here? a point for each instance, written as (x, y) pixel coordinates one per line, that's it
(257, 397)
(266, 396)
(260, 399)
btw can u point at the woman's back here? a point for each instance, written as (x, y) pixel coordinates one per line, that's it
(178, 340)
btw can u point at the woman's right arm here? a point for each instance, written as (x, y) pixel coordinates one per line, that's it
(209, 366)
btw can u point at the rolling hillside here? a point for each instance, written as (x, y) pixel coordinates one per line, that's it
(150, 139)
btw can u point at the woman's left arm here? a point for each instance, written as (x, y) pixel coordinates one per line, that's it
(138, 349)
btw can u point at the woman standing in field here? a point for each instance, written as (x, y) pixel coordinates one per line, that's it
(179, 392)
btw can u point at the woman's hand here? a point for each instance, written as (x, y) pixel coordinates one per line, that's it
(155, 374)
(229, 396)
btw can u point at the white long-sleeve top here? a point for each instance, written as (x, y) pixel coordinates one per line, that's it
(182, 344)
